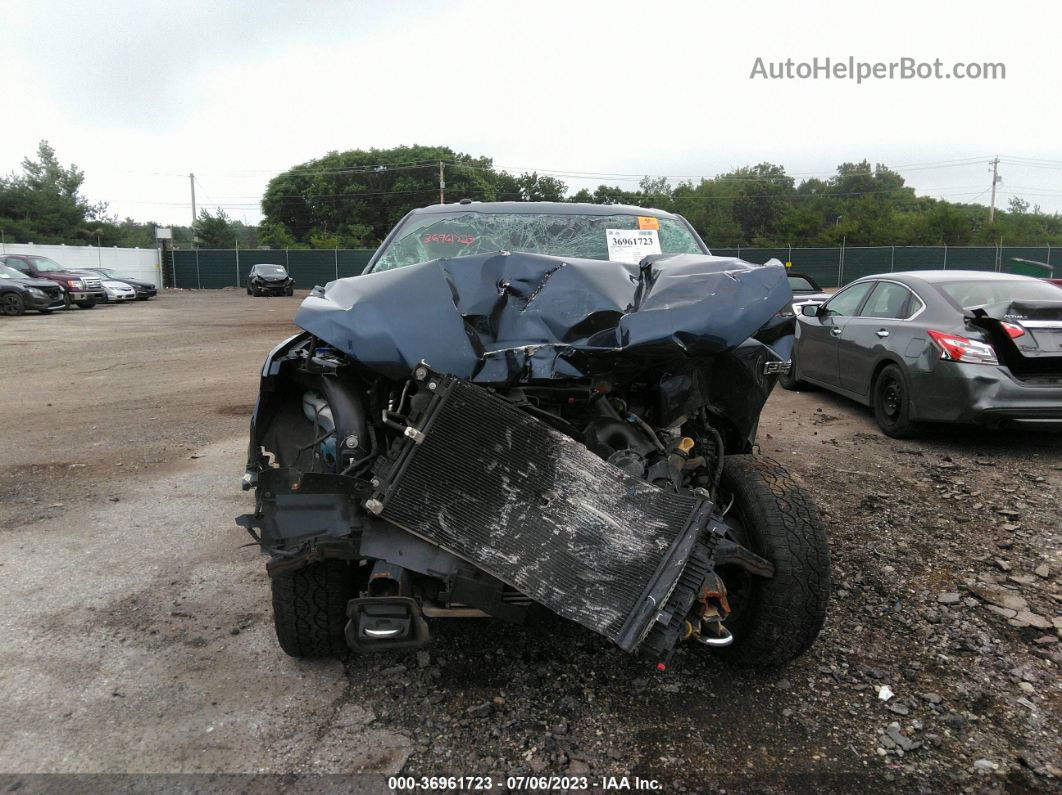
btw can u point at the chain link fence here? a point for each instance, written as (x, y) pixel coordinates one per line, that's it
(830, 267)
(834, 267)
(212, 269)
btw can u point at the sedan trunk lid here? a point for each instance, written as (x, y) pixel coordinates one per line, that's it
(1026, 335)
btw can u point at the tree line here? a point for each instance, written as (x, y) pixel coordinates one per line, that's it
(351, 199)
(44, 203)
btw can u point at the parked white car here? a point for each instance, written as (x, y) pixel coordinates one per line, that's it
(118, 291)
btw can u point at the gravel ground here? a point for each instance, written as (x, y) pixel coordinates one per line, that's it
(138, 638)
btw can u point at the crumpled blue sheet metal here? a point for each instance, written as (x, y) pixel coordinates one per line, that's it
(505, 317)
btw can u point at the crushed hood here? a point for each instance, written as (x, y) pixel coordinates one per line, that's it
(501, 317)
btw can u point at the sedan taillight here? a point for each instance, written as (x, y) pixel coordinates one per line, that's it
(954, 348)
(1013, 330)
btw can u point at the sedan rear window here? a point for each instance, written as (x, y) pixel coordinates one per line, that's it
(970, 294)
(798, 284)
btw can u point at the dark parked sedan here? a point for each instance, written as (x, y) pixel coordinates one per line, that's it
(145, 291)
(805, 290)
(270, 280)
(940, 346)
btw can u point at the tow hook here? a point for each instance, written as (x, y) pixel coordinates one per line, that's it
(712, 632)
(385, 622)
(713, 609)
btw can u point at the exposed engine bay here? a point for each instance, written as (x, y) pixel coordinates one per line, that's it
(558, 442)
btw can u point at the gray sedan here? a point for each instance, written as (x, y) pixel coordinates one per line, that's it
(940, 346)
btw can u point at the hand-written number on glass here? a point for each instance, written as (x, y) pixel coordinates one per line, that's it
(441, 237)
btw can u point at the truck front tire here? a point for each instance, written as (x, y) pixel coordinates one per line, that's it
(773, 620)
(310, 608)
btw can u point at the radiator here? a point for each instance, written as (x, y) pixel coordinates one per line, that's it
(534, 508)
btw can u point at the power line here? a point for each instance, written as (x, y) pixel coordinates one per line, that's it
(572, 173)
(681, 198)
(1032, 159)
(253, 202)
(627, 177)
(317, 170)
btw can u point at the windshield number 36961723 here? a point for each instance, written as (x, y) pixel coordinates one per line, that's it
(635, 240)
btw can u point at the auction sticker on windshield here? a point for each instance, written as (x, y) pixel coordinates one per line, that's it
(630, 245)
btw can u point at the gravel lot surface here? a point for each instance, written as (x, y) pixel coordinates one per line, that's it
(137, 632)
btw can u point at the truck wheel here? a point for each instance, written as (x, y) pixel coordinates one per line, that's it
(12, 304)
(310, 608)
(86, 304)
(773, 620)
(892, 404)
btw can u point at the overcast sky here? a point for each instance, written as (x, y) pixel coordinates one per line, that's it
(138, 94)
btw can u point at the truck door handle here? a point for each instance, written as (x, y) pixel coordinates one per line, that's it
(882, 333)
(835, 332)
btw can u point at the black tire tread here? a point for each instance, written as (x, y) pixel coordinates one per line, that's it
(310, 608)
(788, 610)
(21, 304)
(905, 428)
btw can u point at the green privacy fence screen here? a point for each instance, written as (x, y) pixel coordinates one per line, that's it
(830, 267)
(212, 268)
(833, 267)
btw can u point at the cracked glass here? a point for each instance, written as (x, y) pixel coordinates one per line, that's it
(462, 234)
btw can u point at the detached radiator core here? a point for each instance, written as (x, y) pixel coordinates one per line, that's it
(536, 509)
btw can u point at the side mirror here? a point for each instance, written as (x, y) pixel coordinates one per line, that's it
(810, 310)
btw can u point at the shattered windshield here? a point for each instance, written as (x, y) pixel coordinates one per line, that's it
(621, 237)
(43, 264)
(270, 270)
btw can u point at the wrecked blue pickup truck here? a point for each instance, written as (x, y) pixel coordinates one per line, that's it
(524, 404)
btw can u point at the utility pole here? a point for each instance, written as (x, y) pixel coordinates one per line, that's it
(442, 184)
(995, 179)
(191, 181)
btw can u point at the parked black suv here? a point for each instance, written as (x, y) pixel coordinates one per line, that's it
(265, 279)
(18, 293)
